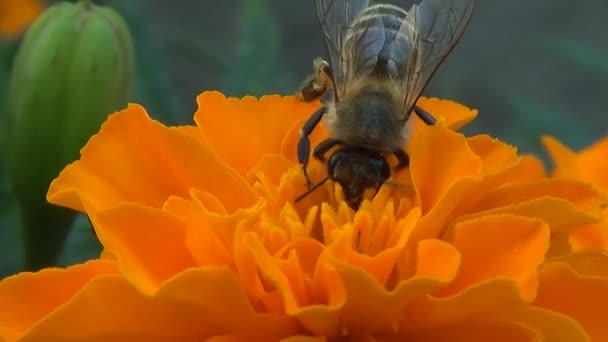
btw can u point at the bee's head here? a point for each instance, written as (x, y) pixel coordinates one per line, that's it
(357, 169)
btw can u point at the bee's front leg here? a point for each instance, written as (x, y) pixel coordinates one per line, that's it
(304, 142)
(315, 85)
(324, 146)
(402, 158)
(425, 116)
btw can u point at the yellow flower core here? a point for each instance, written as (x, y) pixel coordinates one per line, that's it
(203, 240)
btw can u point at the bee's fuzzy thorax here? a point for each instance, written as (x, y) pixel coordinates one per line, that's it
(370, 113)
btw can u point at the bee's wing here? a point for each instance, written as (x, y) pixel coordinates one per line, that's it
(435, 28)
(335, 18)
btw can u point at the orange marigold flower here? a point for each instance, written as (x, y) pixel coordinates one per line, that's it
(17, 15)
(203, 240)
(591, 166)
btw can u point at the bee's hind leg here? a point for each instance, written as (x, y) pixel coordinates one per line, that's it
(425, 116)
(402, 158)
(304, 142)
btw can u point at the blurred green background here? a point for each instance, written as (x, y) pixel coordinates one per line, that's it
(530, 67)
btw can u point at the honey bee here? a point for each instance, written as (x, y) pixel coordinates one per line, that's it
(381, 57)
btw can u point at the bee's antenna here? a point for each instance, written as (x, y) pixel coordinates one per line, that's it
(314, 187)
(399, 186)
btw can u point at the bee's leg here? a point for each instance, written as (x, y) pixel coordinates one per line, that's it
(323, 147)
(402, 158)
(315, 85)
(304, 142)
(425, 116)
(311, 189)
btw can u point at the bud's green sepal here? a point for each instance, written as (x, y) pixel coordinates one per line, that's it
(75, 66)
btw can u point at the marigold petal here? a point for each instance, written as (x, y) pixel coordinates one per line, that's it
(148, 243)
(588, 263)
(558, 213)
(592, 236)
(304, 339)
(210, 235)
(428, 312)
(273, 166)
(553, 326)
(216, 297)
(453, 115)
(580, 194)
(439, 157)
(480, 330)
(495, 155)
(437, 260)
(516, 254)
(110, 309)
(29, 297)
(119, 166)
(589, 165)
(381, 264)
(584, 298)
(561, 154)
(263, 122)
(370, 307)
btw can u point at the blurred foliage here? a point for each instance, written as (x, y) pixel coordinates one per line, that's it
(576, 54)
(530, 116)
(153, 86)
(256, 67)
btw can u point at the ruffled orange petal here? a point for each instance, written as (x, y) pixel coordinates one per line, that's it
(244, 130)
(110, 309)
(563, 204)
(27, 298)
(495, 155)
(438, 158)
(428, 313)
(582, 297)
(480, 330)
(516, 254)
(587, 263)
(553, 326)
(366, 307)
(118, 166)
(215, 296)
(589, 165)
(460, 192)
(370, 308)
(590, 237)
(210, 235)
(448, 113)
(561, 154)
(149, 244)
(581, 195)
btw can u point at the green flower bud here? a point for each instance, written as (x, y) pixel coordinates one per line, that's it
(74, 67)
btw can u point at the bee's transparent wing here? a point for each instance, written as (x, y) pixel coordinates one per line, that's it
(335, 18)
(435, 27)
